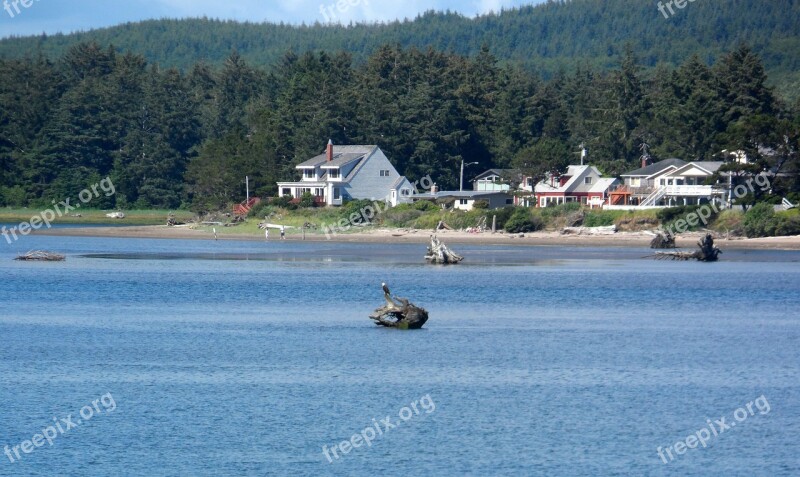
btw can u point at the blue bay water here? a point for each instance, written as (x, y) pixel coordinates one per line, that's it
(246, 358)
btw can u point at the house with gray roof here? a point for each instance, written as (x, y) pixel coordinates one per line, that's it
(669, 183)
(583, 184)
(349, 172)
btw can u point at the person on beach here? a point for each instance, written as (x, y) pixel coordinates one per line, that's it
(283, 232)
(266, 233)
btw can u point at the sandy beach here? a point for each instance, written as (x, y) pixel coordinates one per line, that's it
(620, 239)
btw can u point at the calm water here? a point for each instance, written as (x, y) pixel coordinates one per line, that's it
(233, 358)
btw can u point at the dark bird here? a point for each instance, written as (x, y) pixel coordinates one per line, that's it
(386, 289)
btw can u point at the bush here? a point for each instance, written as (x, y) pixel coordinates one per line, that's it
(602, 218)
(669, 217)
(307, 201)
(480, 205)
(730, 222)
(283, 201)
(523, 220)
(425, 206)
(788, 223)
(561, 210)
(760, 221)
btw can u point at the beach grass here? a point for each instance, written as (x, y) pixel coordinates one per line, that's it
(96, 217)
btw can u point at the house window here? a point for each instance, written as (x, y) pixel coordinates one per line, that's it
(319, 192)
(334, 173)
(384, 173)
(286, 192)
(309, 174)
(337, 193)
(509, 201)
(587, 180)
(463, 201)
(405, 192)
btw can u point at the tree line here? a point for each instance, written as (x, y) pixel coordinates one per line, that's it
(171, 139)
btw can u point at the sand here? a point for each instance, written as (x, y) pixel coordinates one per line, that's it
(620, 239)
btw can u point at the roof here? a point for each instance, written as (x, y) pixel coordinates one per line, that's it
(656, 168)
(513, 174)
(575, 173)
(342, 155)
(466, 194)
(603, 184)
(709, 167)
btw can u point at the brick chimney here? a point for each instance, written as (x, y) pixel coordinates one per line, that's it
(644, 161)
(330, 150)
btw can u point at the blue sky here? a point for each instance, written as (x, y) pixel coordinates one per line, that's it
(53, 16)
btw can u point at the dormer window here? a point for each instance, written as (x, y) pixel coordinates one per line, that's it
(309, 174)
(334, 173)
(588, 180)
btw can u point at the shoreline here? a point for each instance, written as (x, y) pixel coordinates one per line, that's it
(400, 236)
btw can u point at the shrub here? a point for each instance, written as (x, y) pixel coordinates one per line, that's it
(730, 222)
(602, 218)
(425, 206)
(760, 221)
(480, 205)
(283, 201)
(670, 216)
(788, 223)
(523, 220)
(307, 200)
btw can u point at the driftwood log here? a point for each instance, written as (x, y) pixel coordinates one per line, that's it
(41, 256)
(438, 253)
(399, 313)
(663, 241)
(707, 253)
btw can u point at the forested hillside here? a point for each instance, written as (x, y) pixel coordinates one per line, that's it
(542, 39)
(170, 139)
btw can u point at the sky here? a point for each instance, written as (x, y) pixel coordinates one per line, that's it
(33, 17)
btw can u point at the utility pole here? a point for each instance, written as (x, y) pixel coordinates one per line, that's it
(247, 181)
(461, 182)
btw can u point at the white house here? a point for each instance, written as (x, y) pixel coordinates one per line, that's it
(465, 200)
(583, 184)
(349, 172)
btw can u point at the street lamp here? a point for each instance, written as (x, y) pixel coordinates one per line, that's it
(461, 183)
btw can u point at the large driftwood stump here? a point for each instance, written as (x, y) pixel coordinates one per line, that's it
(399, 313)
(41, 256)
(707, 253)
(438, 253)
(663, 241)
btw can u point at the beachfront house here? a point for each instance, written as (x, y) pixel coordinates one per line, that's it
(669, 183)
(640, 183)
(349, 172)
(466, 200)
(582, 184)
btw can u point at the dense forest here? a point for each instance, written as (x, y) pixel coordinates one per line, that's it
(170, 139)
(159, 109)
(544, 39)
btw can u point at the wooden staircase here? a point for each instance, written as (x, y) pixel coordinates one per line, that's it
(245, 207)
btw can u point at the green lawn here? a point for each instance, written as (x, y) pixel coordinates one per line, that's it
(96, 217)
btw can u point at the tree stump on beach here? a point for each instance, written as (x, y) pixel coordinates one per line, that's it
(439, 254)
(399, 313)
(41, 256)
(707, 253)
(663, 241)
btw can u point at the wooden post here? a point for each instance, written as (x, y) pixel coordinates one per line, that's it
(494, 224)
